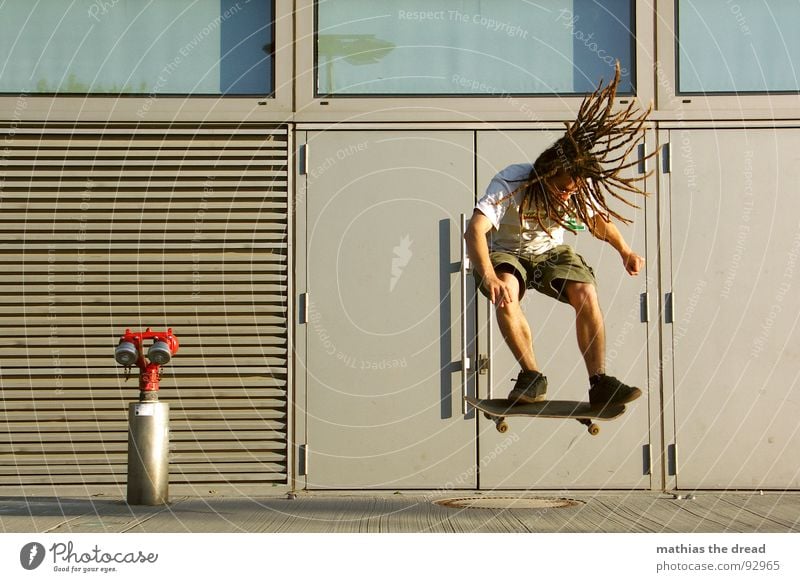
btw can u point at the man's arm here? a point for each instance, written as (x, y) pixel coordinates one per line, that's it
(478, 251)
(608, 232)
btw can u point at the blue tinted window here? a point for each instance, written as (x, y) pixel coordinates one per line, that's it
(137, 46)
(742, 46)
(472, 47)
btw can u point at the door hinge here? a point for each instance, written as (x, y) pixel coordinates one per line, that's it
(302, 460)
(647, 463)
(483, 363)
(642, 158)
(303, 169)
(303, 311)
(669, 307)
(666, 158)
(672, 460)
(644, 307)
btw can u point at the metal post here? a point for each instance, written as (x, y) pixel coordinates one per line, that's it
(148, 453)
(148, 419)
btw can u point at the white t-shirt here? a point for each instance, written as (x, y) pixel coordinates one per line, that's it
(508, 234)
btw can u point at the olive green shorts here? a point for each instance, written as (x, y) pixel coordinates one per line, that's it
(546, 272)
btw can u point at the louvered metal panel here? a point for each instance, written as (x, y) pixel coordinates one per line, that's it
(108, 227)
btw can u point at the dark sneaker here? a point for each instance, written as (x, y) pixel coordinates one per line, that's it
(609, 390)
(530, 387)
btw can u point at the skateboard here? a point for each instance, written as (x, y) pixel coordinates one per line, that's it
(498, 409)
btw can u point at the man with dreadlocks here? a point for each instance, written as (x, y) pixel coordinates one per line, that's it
(527, 208)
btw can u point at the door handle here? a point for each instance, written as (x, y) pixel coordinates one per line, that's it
(489, 347)
(465, 363)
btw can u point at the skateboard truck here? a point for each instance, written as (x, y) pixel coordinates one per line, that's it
(502, 426)
(498, 410)
(499, 422)
(593, 429)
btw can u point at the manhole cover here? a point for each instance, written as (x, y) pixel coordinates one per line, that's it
(507, 503)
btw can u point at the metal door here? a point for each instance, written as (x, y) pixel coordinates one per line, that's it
(555, 453)
(382, 340)
(733, 320)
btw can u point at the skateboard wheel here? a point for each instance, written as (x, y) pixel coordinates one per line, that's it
(502, 426)
(594, 429)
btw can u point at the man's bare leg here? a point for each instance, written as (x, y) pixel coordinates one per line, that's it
(592, 342)
(514, 326)
(589, 325)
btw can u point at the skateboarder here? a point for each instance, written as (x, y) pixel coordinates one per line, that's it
(527, 208)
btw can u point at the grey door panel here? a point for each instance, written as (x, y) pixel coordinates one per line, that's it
(734, 331)
(556, 453)
(383, 336)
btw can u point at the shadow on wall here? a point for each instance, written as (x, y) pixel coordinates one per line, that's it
(449, 368)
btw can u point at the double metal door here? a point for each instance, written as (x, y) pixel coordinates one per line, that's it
(382, 351)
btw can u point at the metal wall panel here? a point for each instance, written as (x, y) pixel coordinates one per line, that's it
(108, 227)
(553, 453)
(732, 322)
(383, 372)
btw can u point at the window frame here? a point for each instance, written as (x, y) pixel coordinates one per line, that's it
(724, 104)
(172, 107)
(436, 107)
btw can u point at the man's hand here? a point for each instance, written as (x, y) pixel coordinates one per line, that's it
(633, 263)
(478, 250)
(498, 290)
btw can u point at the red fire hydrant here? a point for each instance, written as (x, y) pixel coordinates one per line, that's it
(129, 351)
(148, 419)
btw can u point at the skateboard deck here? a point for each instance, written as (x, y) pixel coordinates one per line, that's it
(498, 409)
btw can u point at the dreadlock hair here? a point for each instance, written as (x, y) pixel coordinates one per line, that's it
(593, 152)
